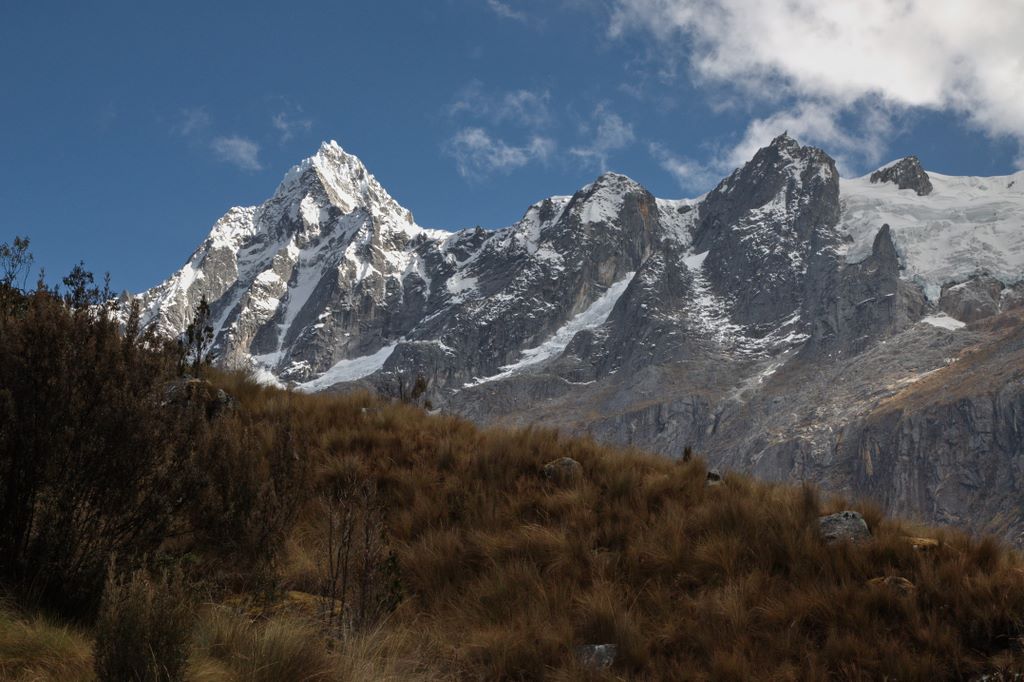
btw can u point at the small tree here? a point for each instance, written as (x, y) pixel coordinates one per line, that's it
(15, 263)
(197, 341)
(81, 292)
(358, 570)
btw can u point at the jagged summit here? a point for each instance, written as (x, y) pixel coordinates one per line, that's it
(906, 173)
(333, 177)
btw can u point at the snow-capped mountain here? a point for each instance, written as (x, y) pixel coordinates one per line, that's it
(772, 323)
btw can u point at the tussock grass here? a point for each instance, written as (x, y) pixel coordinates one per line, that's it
(36, 649)
(505, 572)
(229, 647)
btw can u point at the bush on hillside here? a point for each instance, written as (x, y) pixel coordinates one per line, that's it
(143, 630)
(91, 460)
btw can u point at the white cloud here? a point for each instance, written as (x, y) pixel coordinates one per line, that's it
(833, 57)
(239, 151)
(289, 126)
(505, 11)
(691, 175)
(607, 133)
(861, 141)
(478, 155)
(192, 121)
(526, 108)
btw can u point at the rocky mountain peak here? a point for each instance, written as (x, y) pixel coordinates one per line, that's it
(906, 173)
(615, 181)
(334, 178)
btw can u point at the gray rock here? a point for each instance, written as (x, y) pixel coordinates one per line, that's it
(858, 304)
(597, 656)
(905, 174)
(977, 298)
(563, 470)
(844, 526)
(188, 391)
(714, 477)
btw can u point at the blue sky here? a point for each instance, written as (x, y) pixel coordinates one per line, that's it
(128, 128)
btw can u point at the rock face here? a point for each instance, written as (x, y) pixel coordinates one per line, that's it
(979, 297)
(845, 526)
(905, 174)
(790, 323)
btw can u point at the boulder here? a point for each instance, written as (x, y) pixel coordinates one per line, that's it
(845, 525)
(188, 391)
(597, 656)
(714, 477)
(563, 470)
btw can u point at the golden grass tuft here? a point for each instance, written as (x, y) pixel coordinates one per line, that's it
(35, 649)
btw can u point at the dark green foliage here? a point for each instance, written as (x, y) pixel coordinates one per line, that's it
(143, 630)
(80, 291)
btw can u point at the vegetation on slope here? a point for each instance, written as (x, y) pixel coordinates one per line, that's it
(296, 537)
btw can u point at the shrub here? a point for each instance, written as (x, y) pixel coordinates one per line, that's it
(143, 630)
(359, 581)
(92, 462)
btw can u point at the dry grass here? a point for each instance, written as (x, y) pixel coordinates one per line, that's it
(230, 647)
(34, 649)
(504, 573)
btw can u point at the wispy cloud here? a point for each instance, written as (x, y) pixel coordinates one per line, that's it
(861, 142)
(692, 176)
(478, 155)
(288, 125)
(192, 121)
(606, 132)
(873, 61)
(525, 108)
(505, 11)
(240, 151)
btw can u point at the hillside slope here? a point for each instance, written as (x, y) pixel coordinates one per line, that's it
(254, 533)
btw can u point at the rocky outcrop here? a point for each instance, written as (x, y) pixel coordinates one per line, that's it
(844, 526)
(977, 298)
(948, 448)
(199, 393)
(858, 304)
(905, 174)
